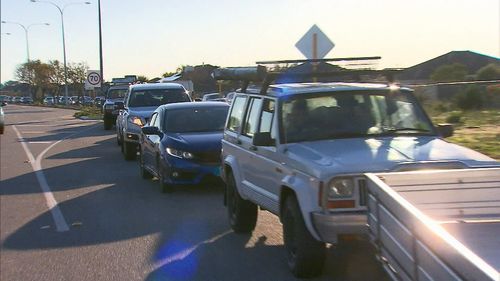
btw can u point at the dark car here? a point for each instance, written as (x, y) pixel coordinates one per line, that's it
(182, 143)
(26, 100)
(141, 101)
(113, 104)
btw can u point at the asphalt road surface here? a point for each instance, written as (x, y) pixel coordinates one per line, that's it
(73, 209)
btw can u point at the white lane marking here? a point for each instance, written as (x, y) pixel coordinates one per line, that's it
(57, 215)
(34, 132)
(36, 164)
(186, 252)
(37, 142)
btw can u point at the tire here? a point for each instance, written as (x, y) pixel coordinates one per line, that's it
(107, 124)
(145, 174)
(165, 188)
(129, 151)
(242, 214)
(305, 255)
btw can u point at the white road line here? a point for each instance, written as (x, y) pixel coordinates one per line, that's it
(36, 164)
(58, 217)
(37, 142)
(34, 132)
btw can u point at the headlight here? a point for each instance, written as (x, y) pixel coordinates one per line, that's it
(136, 120)
(340, 188)
(179, 153)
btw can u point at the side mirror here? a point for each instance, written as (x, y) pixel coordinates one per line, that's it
(445, 130)
(149, 130)
(263, 139)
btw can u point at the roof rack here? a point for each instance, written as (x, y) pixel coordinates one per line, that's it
(260, 73)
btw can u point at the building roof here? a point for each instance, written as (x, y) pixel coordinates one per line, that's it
(471, 60)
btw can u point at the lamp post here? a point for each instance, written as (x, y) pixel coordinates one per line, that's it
(61, 11)
(26, 29)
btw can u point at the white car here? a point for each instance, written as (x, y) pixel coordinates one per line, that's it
(300, 151)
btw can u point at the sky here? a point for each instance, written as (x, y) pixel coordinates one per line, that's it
(151, 37)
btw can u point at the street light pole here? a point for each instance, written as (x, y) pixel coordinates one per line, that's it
(26, 29)
(100, 44)
(61, 11)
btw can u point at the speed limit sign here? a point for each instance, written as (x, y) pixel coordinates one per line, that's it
(93, 79)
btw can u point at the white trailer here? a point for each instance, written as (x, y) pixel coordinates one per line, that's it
(436, 225)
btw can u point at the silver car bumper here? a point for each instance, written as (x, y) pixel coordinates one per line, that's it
(329, 226)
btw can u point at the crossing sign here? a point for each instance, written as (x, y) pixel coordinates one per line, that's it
(314, 44)
(93, 79)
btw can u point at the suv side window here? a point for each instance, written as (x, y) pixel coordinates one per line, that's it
(236, 116)
(252, 118)
(267, 118)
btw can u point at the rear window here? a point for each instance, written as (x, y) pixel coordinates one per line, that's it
(157, 97)
(190, 120)
(116, 93)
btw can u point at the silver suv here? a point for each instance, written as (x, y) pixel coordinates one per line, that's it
(300, 151)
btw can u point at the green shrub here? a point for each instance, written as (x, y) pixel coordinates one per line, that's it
(455, 118)
(471, 98)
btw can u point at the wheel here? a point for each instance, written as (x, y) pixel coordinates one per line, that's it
(305, 255)
(107, 124)
(129, 151)
(242, 213)
(145, 174)
(165, 187)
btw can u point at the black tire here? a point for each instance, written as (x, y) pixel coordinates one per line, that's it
(242, 214)
(305, 255)
(107, 124)
(129, 151)
(165, 188)
(145, 174)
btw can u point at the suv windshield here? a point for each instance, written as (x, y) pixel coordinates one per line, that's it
(157, 97)
(189, 120)
(116, 93)
(344, 115)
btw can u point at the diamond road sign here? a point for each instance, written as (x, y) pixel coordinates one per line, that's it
(314, 44)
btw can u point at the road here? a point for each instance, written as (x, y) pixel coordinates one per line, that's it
(73, 209)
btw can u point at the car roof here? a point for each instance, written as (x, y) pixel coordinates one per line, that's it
(152, 86)
(184, 105)
(279, 90)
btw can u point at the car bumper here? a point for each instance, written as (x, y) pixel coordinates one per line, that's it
(330, 226)
(181, 171)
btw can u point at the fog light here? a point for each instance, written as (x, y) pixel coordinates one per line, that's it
(175, 174)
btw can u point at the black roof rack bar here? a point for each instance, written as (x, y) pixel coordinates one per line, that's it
(320, 60)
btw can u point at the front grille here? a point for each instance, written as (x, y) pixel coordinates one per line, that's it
(211, 157)
(362, 192)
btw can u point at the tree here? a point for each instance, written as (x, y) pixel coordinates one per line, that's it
(449, 73)
(489, 72)
(57, 77)
(77, 74)
(471, 98)
(142, 79)
(36, 74)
